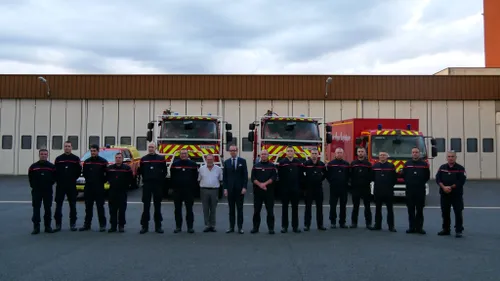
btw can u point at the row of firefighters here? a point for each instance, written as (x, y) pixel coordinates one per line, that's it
(293, 175)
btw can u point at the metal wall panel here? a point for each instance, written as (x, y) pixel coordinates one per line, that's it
(252, 87)
(57, 127)
(420, 110)
(280, 107)
(76, 124)
(158, 107)
(455, 112)
(299, 107)
(8, 118)
(487, 123)
(179, 106)
(402, 109)
(369, 109)
(210, 107)
(333, 111)
(42, 127)
(231, 111)
(110, 122)
(438, 126)
(386, 109)
(472, 160)
(247, 115)
(193, 107)
(350, 110)
(126, 121)
(95, 109)
(26, 127)
(141, 121)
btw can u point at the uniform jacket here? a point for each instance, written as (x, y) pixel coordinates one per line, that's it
(452, 175)
(262, 172)
(291, 174)
(153, 169)
(184, 173)
(235, 178)
(120, 177)
(416, 174)
(68, 169)
(385, 178)
(361, 173)
(338, 174)
(94, 170)
(315, 173)
(42, 175)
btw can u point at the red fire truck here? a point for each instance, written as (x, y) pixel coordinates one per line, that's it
(274, 133)
(395, 136)
(201, 135)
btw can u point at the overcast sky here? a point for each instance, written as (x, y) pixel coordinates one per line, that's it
(247, 36)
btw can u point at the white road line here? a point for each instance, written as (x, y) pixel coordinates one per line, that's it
(276, 205)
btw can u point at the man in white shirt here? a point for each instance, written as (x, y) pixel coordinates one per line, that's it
(210, 177)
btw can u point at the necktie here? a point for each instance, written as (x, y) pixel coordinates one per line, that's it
(234, 164)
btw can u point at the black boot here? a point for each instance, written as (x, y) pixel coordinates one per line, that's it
(444, 232)
(112, 229)
(84, 228)
(73, 227)
(144, 229)
(36, 229)
(48, 229)
(121, 229)
(158, 229)
(58, 227)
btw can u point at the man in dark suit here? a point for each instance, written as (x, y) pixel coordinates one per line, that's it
(235, 177)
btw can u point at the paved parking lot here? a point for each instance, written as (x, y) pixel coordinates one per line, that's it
(332, 255)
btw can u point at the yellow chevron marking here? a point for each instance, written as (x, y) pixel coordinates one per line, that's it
(393, 132)
(378, 132)
(404, 133)
(385, 133)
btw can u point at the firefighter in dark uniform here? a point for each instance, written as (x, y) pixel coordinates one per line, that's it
(361, 177)
(184, 175)
(263, 177)
(120, 178)
(451, 178)
(291, 177)
(384, 179)
(416, 173)
(153, 169)
(338, 178)
(315, 174)
(94, 172)
(42, 176)
(68, 170)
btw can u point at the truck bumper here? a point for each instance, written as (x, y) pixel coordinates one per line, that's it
(400, 190)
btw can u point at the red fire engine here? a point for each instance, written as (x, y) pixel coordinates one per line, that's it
(395, 136)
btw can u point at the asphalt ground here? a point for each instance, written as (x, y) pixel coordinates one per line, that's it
(338, 254)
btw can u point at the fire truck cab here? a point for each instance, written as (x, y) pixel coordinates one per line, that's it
(201, 135)
(397, 137)
(274, 133)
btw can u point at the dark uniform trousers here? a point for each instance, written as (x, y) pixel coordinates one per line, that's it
(338, 194)
(456, 201)
(384, 199)
(235, 201)
(263, 197)
(184, 195)
(69, 191)
(41, 195)
(415, 203)
(290, 197)
(314, 194)
(361, 193)
(94, 193)
(117, 207)
(155, 191)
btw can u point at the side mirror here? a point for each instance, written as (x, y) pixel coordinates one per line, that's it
(229, 137)
(328, 128)
(434, 151)
(151, 126)
(433, 141)
(329, 138)
(251, 136)
(149, 136)
(251, 126)
(359, 141)
(126, 160)
(229, 127)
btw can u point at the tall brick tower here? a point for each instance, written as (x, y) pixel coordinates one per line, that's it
(491, 14)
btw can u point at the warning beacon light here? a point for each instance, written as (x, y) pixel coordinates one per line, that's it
(176, 113)
(302, 115)
(408, 126)
(379, 127)
(209, 114)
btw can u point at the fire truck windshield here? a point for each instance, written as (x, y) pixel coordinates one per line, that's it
(398, 147)
(201, 129)
(301, 131)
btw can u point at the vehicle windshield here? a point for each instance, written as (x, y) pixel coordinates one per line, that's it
(202, 129)
(398, 147)
(109, 155)
(303, 130)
